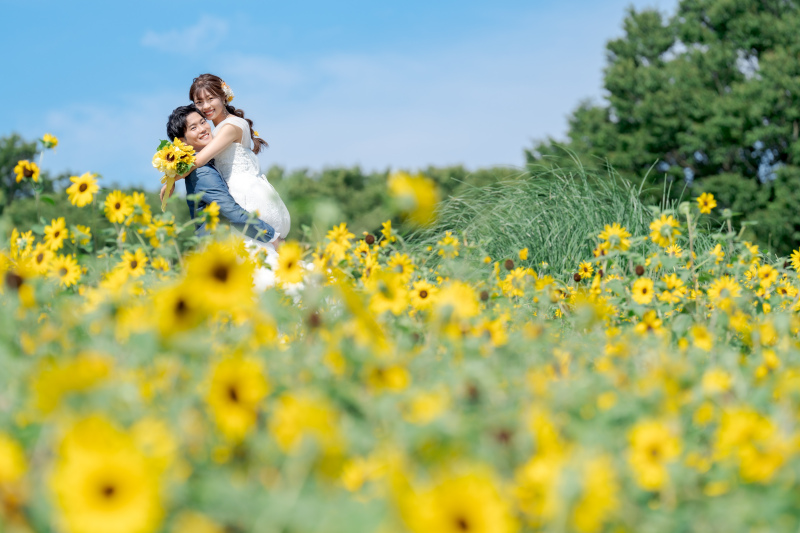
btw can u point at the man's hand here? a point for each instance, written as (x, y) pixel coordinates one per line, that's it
(164, 191)
(277, 243)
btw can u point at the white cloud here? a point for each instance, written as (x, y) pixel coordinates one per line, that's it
(205, 35)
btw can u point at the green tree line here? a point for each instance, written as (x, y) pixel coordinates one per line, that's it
(705, 100)
(316, 199)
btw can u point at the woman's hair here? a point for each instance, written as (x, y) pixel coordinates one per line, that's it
(213, 84)
(176, 123)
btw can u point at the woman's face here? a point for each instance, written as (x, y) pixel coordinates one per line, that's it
(210, 105)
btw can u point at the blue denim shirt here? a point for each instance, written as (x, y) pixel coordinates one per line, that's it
(208, 181)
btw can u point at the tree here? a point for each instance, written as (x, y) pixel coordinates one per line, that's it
(713, 95)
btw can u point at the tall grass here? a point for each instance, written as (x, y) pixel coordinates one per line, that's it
(556, 213)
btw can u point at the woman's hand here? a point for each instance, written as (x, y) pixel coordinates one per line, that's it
(277, 243)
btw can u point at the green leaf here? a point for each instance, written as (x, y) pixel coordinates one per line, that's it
(48, 200)
(162, 144)
(182, 167)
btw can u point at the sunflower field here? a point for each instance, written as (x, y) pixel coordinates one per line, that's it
(384, 387)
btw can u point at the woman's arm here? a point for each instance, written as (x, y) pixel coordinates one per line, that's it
(227, 135)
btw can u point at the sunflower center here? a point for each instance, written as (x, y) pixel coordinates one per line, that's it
(181, 308)
(56, 234)
(14, 281)
(220, 273)
(423, 294)
(28, 172)
(40, 257)
(462, 524)
(655, 452)
(289, 265)
(233, 394)
(117, 205)
(83, 187)
(170, 158)
(63, 272)
(108, 491)
(134, 264)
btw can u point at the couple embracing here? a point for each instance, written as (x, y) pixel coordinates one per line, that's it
(227, 171)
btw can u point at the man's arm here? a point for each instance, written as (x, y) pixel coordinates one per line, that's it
(214, 189)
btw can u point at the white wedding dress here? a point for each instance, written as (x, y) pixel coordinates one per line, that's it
(241, 170)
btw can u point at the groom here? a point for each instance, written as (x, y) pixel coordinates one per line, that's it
(187, 124)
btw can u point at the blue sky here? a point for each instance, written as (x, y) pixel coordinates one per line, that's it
(380, 84)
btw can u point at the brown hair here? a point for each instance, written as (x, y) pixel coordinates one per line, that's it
(213, 84)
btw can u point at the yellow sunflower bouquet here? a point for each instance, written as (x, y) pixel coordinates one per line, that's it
(172, 159)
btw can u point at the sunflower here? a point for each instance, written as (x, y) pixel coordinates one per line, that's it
(186, 149)
(767, 275)
(382, 378)
(55, 233)
(673, 250)
(66, 269)
(416, 197)
(616, 237)
(141, 209)
(643, 291)
(159, 263)
(290, 267)
(133, 263)
(585, 269)
(118, 207)
(40, 259)
(237, 387)
(83, 189)
(423, 295)
(26, 170)
(722, 290)
(402, 265)
(664, 230)
(103, 483)
(514, 282)
(388, 233)
(298, 416)
(178, 308)
(653, 446)
(650, 323)
(166, 160)
(21, 243)
(459, 300)
(211, 216)
(49, 141)
(448, 245)
(12, 460)
(388, 292)
(82, 236)
(706, 202)
(470, 501)
(339, 238)
(222, 277)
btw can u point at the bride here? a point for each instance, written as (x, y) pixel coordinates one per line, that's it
(234, 150)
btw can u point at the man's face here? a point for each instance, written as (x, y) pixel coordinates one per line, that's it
(198, 132)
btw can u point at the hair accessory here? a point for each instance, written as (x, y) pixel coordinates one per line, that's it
(228, 92)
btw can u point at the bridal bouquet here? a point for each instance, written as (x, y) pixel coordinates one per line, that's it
(172, 159)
